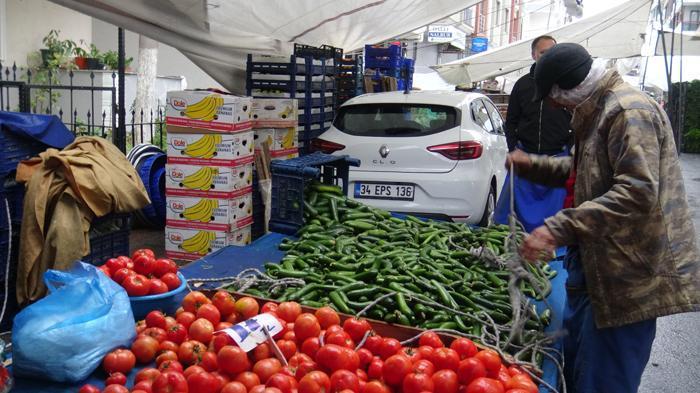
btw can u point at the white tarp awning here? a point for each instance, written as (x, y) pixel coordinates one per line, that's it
(615, 33)
(218, 34)
(691, 43)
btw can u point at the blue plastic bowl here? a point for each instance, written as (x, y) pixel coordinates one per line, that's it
(166, 302)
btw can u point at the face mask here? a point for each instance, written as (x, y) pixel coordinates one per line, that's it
(580, 93)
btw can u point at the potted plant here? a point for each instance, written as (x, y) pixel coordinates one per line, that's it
(94, 59)
(57, 50)
(80, 58)
(111, 60)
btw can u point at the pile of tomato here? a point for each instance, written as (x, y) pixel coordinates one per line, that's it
(321, 355)
(143, 274)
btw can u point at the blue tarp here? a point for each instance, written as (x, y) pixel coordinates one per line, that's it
(47, 129)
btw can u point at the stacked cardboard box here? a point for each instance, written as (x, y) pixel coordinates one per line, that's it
(275, 122)
(209, 172)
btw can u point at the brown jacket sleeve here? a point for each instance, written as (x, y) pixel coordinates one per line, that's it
(633, 154)
(548, 171)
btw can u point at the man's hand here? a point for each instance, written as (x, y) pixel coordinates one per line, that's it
(539, 245)
(521, 161)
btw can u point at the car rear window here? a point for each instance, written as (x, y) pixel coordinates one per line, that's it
(399, 120)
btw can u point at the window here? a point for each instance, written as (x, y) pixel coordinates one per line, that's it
(396, 120)
(481, 115)
(495, 118)
(468, 16)
(481, 10)
(693, 21)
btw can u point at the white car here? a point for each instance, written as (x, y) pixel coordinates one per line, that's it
(437, 154)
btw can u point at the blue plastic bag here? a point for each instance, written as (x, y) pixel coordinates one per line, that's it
(64, 336)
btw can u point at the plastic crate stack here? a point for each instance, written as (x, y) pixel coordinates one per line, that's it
(349, 79)
(384, 63)
(209, 174)
(289, 181)
(307, 76)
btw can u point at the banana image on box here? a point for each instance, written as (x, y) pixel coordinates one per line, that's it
(199, 243)
(205, 147)
(206, 109)
(288, 139)
(202, 211)
(203, 179)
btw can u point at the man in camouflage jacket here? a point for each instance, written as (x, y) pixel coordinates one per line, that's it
(632, 255)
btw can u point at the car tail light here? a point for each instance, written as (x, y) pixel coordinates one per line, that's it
(467, 150)
(325, 146)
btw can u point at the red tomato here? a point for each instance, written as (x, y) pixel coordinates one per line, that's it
(521, 381)
(362, 374)
(259, 389)
(431, 339)
(143, 251)
(234, 387)
(222, 326)
(128, 261)
(233, 360)
(266, 368)
(157, 287)
(201, 330)
(356, 328)
(116, 378)
(171, 280)
(491, 360)
(164, 265)
(119, 360)
(464, 347)
(287, 347)
(327, 317)
(192, 300)
(137, 285)
(375, 369)
(170, 365)
(193, 370)
(390, 347)
(423, 367)
(304, 368)
(470, 369)
(270, 307)
(190, 352)
(417, 383)
(120, 274)
(209, 361)
(203, 383)
(224, 302)
(344, 379)
(412, 354)
(170, 382)
(515, 370)
(247, 307)
(395, 369)
(374, 344)
(305, 326)
(155, 319)
(517, 391)
(166, 355)
(104, 269)
(365, 357)
(89, 389)
(158, 334)
(221, 340)
(249, 379)
(334, 357)
(144, 264)
(484, 385)
(167, 346)
(340, 338)
(209, 312)
(147, 374)
(310, 346)
(315, 382)
(115, 264)
(445, 381)
(445, 359)
(143, 386)
(289, 311)
(177, 333)
(115, 388)
(426, 352)
(376, 387)
(262, 351)
(186, 318)
(283, 382)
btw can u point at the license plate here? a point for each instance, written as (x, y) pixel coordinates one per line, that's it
(396, 191)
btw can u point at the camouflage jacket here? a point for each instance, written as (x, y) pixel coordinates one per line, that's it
(630, 218)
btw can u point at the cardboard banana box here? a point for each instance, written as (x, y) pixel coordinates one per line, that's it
(209, 213)
(191, 111)
(275, 112)
(211, 149)
(191, 244)
(285, 154)
(209, 181)
(277, 138)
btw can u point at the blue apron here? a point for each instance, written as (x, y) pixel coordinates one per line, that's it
(533, 202)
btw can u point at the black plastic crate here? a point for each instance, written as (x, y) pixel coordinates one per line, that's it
(13, 193)
(14, 149)
(10, 243)
(290, 178)
(109, 238)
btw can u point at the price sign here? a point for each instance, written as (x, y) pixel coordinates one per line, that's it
(249, 334)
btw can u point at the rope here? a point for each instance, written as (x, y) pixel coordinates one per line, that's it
(247, 278)
(7, 261)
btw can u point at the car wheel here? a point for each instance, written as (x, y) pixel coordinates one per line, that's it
(487, 217)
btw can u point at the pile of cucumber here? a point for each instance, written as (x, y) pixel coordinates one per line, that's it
(349, 254)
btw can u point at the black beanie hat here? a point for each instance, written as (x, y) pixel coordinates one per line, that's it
(565, 64)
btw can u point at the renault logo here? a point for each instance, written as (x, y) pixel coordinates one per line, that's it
(384, 151)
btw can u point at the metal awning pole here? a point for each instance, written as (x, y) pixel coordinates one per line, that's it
(120, 135)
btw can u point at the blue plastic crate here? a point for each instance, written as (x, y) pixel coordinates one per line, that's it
(391, 51)
(14, 149)
(290, 178)
(109, 238)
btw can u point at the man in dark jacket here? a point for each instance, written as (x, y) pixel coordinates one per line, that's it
(536, 128)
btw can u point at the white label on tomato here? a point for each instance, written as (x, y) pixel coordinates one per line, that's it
(249, 334)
